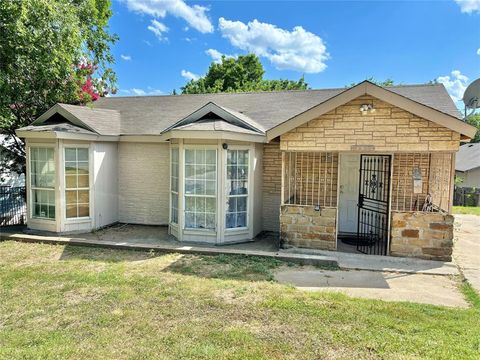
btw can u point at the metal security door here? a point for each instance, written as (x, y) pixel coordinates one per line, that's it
(373, 204)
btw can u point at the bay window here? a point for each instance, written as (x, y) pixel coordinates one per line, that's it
(200, 188)
(42, 179)
(237, 189)
(77, 182)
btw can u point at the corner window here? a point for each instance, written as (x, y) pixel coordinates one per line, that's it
(42, 179)
(77, 183)
(174, 186)
(200, 188)
(237, 189)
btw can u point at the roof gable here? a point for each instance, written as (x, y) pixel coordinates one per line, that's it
(227, 115)
(384, 94)
(99, 121)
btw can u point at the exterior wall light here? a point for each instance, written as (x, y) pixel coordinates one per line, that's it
(367, 108)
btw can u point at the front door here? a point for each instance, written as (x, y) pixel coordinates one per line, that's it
(373, 204)
(348, 196)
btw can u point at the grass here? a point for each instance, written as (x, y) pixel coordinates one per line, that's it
(472, 210)
(66, 302)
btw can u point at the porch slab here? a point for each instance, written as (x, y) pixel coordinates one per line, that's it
(145, 238)
(388, 286)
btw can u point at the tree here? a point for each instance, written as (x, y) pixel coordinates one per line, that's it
(474, 120)
(386, 82)
(241, 74)
(50, 51)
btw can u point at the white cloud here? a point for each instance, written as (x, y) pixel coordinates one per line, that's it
(469, 6)
(142, 92)
(455, 84)
(478, 51)
(295, 50)
(126, 57)
(194, 15)
(188, 75)
(217, 55)
(158, 29)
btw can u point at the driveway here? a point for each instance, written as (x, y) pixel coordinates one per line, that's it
(466, 252)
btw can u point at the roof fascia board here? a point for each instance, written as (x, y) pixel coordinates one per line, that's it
(421, 110)
(221, 135)
(63, 135)
(317, 110)
(143, 138)
(58, 109)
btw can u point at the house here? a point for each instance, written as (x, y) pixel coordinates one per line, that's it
(367, 165)
(467, 165)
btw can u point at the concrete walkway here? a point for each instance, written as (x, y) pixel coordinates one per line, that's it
(419, 288)
(385, 263)
(113, 238)
(466, 251)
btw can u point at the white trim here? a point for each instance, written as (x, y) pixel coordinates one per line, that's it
(63, 135)
(207, 134)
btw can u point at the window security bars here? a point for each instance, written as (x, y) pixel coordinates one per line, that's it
(310, 178)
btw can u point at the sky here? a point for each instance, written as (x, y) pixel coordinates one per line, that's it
(165, 43)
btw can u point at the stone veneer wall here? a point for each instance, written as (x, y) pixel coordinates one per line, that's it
(389, 128)
(302, 226)
(423, 235)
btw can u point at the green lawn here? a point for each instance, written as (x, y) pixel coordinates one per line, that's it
(66, 302)
(473, 210)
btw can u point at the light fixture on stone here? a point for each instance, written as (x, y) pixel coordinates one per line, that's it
(367, 108)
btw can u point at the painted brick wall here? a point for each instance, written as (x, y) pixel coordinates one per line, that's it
(272, 184)
(143, 183)
(387, 129)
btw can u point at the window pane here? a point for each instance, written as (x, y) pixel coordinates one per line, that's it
(70, 181)
(189, 220)
(242, 219)
(70, 155)
(242, 203)
(189, 156)
(71, 197)
(83, 181)
(42, 167)
(83, 197)
(71, 211)
(83, 210)
(82, 154)
(211, 157)
(210, 205)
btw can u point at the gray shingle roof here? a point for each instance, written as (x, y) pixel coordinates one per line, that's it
(215, 125)
(61, 127)
(468, 157)
(150, 115)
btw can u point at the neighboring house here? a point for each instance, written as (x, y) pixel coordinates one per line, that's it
(467, 165)
(317, 166)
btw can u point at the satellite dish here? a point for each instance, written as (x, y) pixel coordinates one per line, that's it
(471, 97)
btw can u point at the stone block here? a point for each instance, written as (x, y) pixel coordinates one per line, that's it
(410, 233)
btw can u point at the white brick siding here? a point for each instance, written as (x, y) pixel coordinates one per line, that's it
(143, 183)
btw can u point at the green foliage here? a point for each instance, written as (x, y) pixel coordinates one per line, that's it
(244, 73)
(474, 120)
(386, 82)
(48, 50)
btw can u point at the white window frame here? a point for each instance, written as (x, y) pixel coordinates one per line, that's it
(186, 229)
(172, 148)
(249, 188)
(32, 188)
(64, 181)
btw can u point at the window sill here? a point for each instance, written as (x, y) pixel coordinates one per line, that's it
(77, 220)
